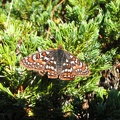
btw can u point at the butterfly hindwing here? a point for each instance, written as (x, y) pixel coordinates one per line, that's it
(51, 69)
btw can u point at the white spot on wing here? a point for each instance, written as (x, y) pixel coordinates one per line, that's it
(71, 56)
(34, 57)
(55, 62)
(68, 75)
(66, 70)
(52, 67)
(47, 52)
(81, 64)
(64, 64)
(46, 58)
(52, 58)
(66, 60)
(26, 58)
(72, 62)
(38, 63)
(76, 60)
(47, 66)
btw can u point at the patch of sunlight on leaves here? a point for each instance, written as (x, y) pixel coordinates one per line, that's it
(6, 90)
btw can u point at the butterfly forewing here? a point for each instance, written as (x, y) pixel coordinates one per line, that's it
(57, 63)
(37, 61)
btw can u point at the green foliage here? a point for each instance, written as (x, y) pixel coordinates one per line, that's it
(6, 90)
(76, 25)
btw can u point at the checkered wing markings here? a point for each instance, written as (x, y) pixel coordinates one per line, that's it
(37, 61)
(51, 68)
(73, 67)
(67, 73)
(49, 62)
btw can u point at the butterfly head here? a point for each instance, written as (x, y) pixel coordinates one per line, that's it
(60, 47)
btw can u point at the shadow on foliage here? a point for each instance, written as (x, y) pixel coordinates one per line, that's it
(10, 109)
(107, 108)
(48, 106)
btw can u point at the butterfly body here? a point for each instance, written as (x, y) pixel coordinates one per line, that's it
(57, 63)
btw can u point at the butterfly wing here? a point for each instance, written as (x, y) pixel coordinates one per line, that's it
(67, 72)
(50, 61)
(37, 61)
(73, 67)
(51, 69)
(79, 68)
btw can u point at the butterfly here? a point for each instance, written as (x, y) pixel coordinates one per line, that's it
(57, 63)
